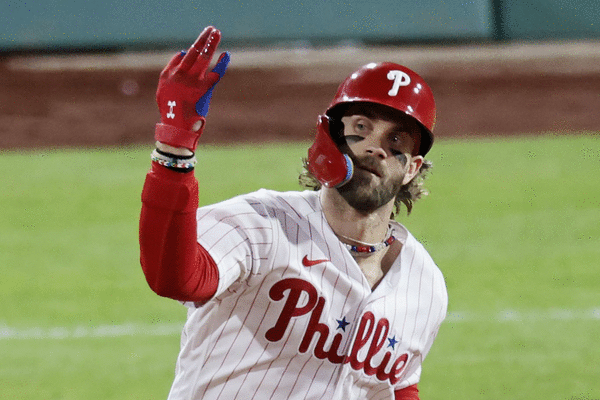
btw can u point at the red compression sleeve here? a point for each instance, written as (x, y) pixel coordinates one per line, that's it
(408, 393)
(174, 264)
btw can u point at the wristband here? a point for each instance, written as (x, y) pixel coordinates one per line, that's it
(181, 164)
(171, 155)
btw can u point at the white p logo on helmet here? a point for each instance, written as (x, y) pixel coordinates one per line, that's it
(400, 78)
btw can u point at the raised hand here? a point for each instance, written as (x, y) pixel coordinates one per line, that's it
(185, 89)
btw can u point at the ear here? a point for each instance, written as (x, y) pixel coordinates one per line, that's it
(414, 166)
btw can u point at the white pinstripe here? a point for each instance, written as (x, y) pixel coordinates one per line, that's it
(242, 345)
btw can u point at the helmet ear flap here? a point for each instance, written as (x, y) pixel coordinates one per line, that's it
(325, 160)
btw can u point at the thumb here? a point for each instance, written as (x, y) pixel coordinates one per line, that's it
(222, 64)
(213, 77)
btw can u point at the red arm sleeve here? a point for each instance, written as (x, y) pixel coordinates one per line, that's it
(408, 393)
(174, 264)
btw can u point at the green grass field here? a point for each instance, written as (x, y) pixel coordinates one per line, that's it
(514, 224)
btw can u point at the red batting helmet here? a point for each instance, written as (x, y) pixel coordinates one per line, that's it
(386, 83)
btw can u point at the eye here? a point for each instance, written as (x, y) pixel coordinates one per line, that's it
(399, 143)
(396, 140)
(360, 127)
(399, 137)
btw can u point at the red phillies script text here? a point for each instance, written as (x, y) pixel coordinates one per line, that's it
(370, 332)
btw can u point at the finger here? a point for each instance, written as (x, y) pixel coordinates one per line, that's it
(211, 44)
(206, 53)
(173, 62)
(192, 55)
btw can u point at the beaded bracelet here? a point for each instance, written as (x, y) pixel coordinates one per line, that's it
(186, 163)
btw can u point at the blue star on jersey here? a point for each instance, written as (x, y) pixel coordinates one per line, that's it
(393, 342)
(342, 324)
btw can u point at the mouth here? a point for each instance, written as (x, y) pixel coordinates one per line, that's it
(371, 170)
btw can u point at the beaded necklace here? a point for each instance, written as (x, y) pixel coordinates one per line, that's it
(368, 247)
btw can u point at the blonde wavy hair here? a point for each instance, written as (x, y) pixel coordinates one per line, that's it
(407, 195)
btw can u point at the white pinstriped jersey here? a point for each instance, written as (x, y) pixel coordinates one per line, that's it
(294, 317)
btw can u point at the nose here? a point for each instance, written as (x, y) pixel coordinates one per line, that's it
(377, 152)
(375, 146)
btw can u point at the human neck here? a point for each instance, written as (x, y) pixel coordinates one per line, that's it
(351, 225)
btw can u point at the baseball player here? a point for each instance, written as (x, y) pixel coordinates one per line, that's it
(314, 294)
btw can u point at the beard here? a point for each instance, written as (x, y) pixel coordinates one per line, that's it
(366, 192)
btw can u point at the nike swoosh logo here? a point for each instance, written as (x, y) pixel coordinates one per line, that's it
(309, 263)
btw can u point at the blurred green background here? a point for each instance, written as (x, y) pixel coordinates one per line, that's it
(513, 224)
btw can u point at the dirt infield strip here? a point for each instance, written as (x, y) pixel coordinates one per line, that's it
(277, 94)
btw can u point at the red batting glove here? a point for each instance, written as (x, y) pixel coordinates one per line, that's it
(185, 89)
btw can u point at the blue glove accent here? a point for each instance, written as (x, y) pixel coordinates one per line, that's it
(204, 102)
(222, 65)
